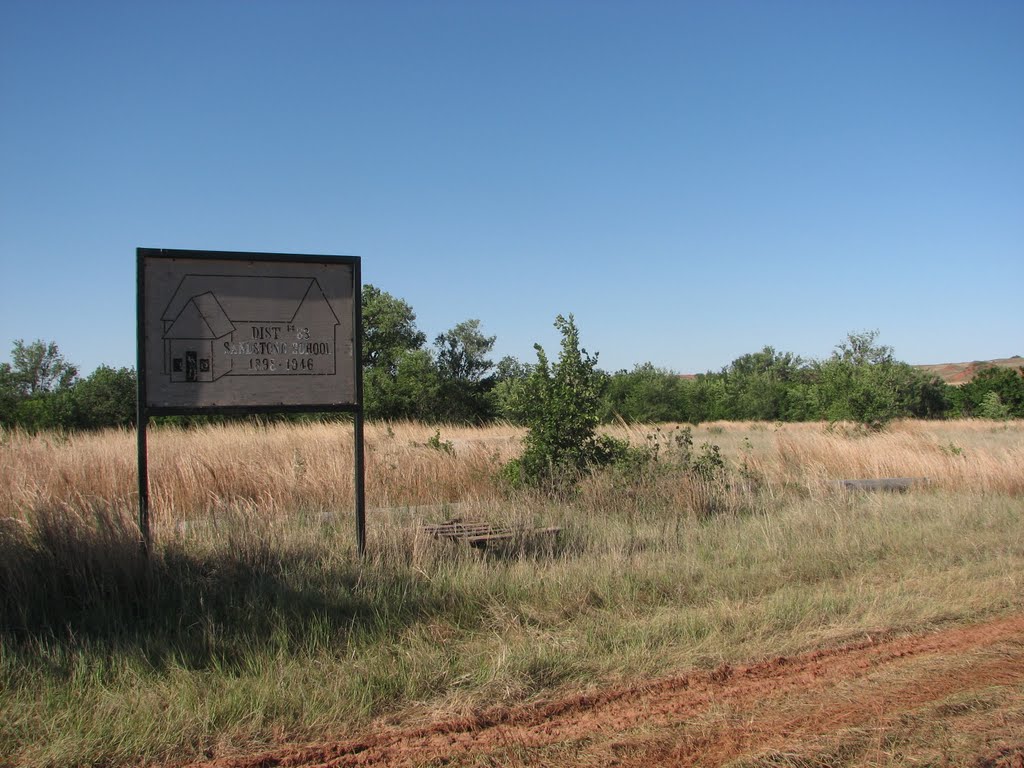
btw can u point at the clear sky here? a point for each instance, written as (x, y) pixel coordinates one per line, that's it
(693, 180)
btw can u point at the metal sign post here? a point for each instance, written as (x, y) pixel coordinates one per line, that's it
(223, 332)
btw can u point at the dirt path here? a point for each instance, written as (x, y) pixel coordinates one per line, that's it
(955, 698)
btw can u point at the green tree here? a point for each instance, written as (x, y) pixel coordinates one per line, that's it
(852, 384)
(708, 398)
(46, 411)
(411, 391)
(463, 366)
(863, 382)
(389, 329)
(9, 395)
(764, 386)
(105, 398)
(927, 396)
(645, 395)
(392, 355)
(1007, 383)
(462, 352)
(509, 392)
(39, 367)
(35, 387)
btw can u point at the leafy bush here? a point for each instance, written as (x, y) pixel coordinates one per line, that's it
(560, 403)
(444, 446)
(993, 407)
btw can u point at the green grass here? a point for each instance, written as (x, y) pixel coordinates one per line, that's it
(280, 633)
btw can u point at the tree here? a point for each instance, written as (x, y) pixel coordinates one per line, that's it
(508, 394)
(645, 395)
(860, 349)
(9, 395)
(763, 385)
(35, 387)
(411, 391)
(462, 352)
(463, 366)
(1006, 383)
(106, 398)
(707, 397)
(389, 329)
(392, 350)
(39, 368)
(863, 382)
(927, 396)
(843, 388)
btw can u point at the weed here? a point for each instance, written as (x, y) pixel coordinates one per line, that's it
(436, 443)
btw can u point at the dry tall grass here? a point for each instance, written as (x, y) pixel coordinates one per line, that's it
(308, 468)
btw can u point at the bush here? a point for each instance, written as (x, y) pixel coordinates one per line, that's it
(560, 403)
(993, 407)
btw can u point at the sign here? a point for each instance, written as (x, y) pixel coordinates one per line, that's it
(226, 332)
(247, 331)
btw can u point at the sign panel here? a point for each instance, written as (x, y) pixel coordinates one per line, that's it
(247, 330)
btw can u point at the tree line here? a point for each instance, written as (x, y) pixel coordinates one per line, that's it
(455, 380)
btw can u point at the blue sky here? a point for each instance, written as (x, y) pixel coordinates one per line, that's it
(692, 180)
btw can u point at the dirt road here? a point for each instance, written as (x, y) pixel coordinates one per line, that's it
(951, 698)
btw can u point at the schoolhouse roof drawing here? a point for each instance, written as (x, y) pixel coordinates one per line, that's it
(201, 318)
(245, 299)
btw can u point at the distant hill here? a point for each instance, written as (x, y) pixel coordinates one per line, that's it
(960, 373)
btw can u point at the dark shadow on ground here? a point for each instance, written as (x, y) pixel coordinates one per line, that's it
(69, 585)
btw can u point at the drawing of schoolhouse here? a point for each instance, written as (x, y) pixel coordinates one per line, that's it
(218, 325)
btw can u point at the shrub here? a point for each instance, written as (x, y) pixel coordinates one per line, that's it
(993, 407)
(561, 403)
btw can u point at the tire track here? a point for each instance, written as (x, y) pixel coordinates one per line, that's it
(704, 718)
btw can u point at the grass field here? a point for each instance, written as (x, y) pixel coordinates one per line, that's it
(254, 623)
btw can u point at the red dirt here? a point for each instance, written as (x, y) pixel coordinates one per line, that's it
(939, 699)
(961, 373)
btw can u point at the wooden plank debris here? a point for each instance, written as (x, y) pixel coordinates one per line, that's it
(482, 535)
